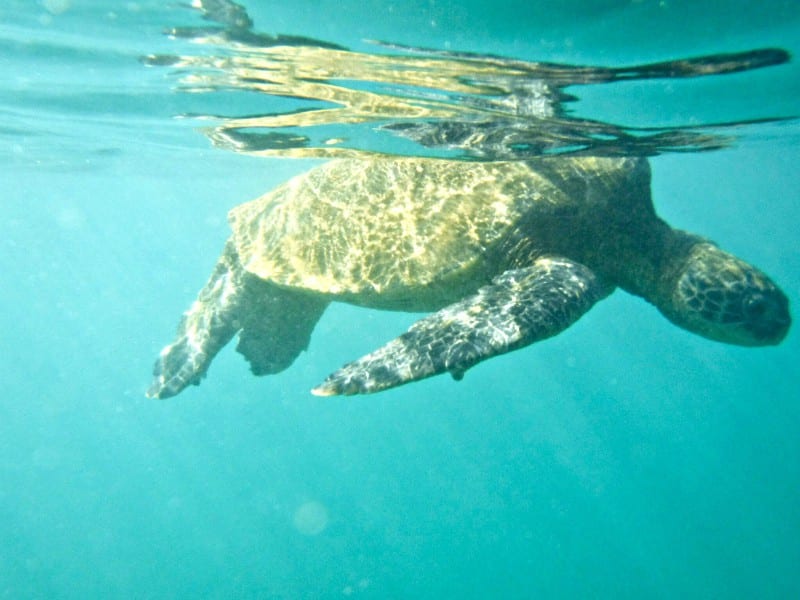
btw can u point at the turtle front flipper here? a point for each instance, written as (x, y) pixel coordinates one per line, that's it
(519, 307)
(205, 328)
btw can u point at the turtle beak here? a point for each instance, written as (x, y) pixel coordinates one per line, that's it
(767, 316)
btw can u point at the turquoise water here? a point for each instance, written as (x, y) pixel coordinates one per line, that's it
(625, 458)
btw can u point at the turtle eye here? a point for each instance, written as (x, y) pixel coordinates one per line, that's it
(754, 305)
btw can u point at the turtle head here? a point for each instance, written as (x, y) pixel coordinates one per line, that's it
(723, 298)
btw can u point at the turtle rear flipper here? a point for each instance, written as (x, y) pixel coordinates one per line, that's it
(519, 307)
(205, 328)
(276, 325)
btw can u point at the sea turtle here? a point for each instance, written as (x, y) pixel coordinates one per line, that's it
(502, 253)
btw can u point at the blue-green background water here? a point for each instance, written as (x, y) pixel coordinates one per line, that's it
(624, 458)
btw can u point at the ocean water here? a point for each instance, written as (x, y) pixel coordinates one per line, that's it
(624, 458)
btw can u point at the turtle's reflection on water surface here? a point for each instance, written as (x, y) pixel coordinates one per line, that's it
(332, 102)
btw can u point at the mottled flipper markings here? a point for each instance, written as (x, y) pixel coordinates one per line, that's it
(274, 324)
(205, 328)
(518, 308)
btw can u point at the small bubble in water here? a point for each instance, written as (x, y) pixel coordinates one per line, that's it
(70, 218)
(56, 7)
(311, 518)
